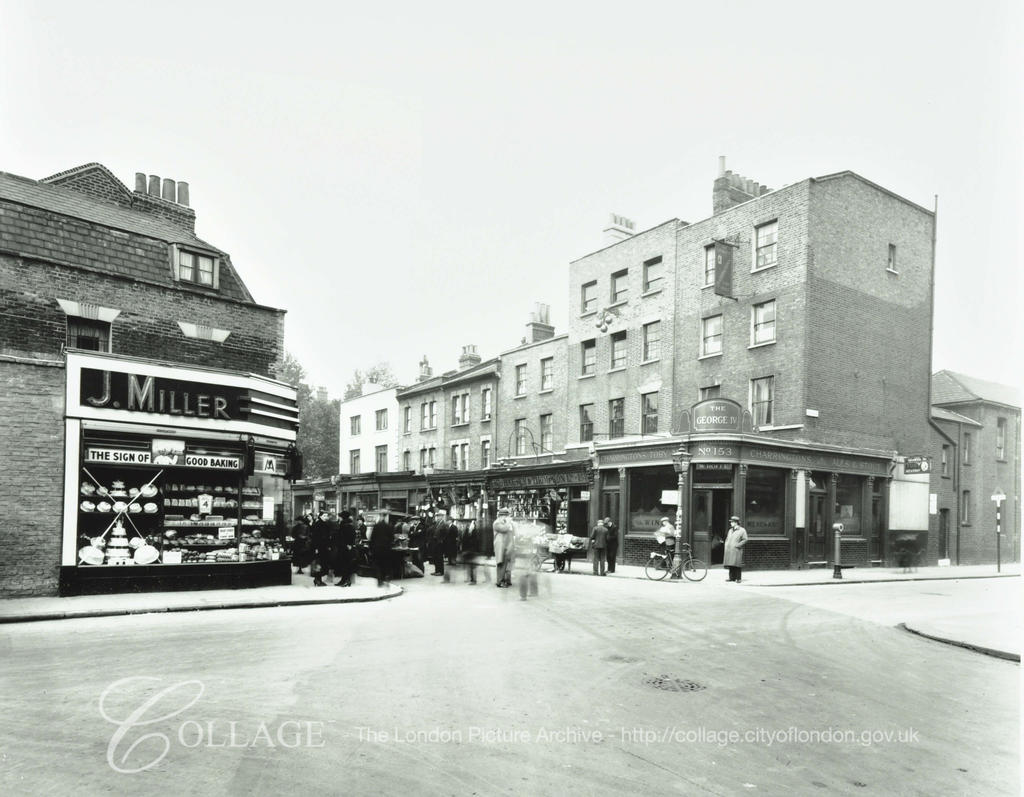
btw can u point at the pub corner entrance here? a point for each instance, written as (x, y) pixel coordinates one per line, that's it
(712, 508)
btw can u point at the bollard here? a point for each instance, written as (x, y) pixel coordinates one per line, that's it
(837, 570)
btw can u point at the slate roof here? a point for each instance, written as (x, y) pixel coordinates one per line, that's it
(949, 387)
(51, 196)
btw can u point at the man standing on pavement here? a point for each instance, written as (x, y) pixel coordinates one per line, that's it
(382, 540)
(320, 542)
(613, 543)
(599, 542)
(734, 543)
(346, 541)
(504, 529)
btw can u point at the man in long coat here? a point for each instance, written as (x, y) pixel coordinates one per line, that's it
(734, 544)
(599, 542)
(382, 540)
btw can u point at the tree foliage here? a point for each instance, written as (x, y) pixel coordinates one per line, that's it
(379, 373)
(318, 421)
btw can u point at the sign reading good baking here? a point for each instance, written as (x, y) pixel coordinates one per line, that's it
(120, 456)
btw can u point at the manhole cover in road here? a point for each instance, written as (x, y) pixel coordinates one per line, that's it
(672, 684)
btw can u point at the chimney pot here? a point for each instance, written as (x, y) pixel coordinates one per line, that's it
(182, 193)
(168, 189)
(140, 182)
(721, 165)
(154, 185)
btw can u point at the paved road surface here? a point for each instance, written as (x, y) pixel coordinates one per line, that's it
(452, 689)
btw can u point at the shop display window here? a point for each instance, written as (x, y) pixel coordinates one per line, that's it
(176, 502)
(765, 501)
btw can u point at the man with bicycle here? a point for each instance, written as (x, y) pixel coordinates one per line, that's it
(666, 537)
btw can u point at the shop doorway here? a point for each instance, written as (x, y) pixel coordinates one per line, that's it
(817, 523)
(710, 522)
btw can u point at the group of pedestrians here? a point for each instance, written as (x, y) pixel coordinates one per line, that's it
(604, 541)
(326, 545)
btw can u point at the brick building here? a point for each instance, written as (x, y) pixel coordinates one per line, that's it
(975, 454)
(784, 342)
(120, 331)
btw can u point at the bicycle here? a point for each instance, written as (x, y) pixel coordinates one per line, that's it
(661, 564)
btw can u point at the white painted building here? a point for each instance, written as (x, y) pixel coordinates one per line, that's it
(368, 432)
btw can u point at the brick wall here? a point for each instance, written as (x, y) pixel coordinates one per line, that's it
(638, 309)
(534, 402)
(31, 321)
(32, 489)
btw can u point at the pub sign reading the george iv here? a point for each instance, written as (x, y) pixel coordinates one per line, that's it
(136, 393)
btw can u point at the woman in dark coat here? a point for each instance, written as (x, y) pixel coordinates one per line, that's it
(343, 552)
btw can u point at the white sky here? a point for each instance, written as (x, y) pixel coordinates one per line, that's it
(408, 179)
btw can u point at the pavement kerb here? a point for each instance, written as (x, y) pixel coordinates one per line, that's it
(1001, 654)
(393, 592)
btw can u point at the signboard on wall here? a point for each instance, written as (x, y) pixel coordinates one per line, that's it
(717, 415)
(917, 464)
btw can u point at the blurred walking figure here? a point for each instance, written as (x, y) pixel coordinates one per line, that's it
(343, 556)
(504, 530)
(300, 544)
(599, 542)
(470, 551)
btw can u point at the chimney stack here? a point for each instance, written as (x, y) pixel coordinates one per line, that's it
(539, 326)
(468, 358)
(182, 193)
(140, 182)
(168, 192)
(425, 370)
(154, 185)
(733, 189)
(619, 229)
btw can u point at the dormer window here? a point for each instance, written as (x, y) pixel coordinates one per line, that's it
(197, 268)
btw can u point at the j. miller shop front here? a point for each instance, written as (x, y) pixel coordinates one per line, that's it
(175, 477)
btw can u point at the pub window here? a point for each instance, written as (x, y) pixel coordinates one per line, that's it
(197, 268)
(762, 323)
(849, 500)
(711, 336)
(646, 488)
(464, 455)
(431, 457)
(766, 501)
(423, 458)
(86, 333)
(709, 265)
(710, 392)
(767, 236)
(762, 400)
(454, 461)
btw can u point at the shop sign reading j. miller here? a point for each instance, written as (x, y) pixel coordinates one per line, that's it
(135, 393)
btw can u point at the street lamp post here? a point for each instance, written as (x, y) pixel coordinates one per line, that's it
(998, 497)
(681, 462)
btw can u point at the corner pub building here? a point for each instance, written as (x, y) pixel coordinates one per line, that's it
(146, 443)
(786, 340)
